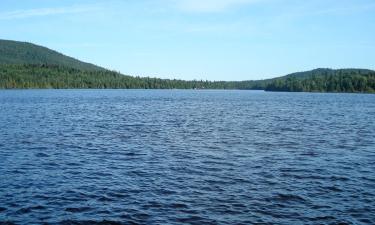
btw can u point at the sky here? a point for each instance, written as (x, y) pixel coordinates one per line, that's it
(200, 39)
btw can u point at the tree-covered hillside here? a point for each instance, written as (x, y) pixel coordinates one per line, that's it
(326, 80)
(25, 65)
(52, 76)
(15, 52)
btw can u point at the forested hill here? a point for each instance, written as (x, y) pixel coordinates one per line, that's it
(25, 65)
(53, 76)
(326, 80)
(15, 52)
(326, 72)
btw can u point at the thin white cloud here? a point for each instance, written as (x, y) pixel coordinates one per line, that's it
(210, 5)
(27, 13)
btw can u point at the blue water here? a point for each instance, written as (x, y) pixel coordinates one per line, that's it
(194, 157)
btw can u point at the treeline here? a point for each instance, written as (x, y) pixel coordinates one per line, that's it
(26, 65)
(59, 77)
(350, 80)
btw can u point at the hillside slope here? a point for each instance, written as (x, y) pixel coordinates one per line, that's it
(15, 52)
(325, 80)
(51, 76)
(327, 72)
(25, 65)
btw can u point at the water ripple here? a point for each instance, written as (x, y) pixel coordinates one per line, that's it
(194, 157)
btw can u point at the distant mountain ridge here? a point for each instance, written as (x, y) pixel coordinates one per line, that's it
(15, 52)
(26, 65)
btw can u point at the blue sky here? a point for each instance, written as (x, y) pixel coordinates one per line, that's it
(200, 39)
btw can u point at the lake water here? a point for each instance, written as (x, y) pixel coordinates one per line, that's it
(195, 157)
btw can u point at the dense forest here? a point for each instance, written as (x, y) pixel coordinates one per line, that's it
(15, 52)
(53, 76)
(25, 65)
(326, 80)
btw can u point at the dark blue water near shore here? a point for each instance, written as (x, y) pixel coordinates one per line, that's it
(195, 157)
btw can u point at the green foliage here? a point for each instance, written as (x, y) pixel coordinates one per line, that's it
(52, 76)
(25, 65)
(326, 80)
(15, 52)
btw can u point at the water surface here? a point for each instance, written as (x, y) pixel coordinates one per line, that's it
(195, 157)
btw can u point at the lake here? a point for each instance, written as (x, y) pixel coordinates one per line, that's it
(186, 156)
